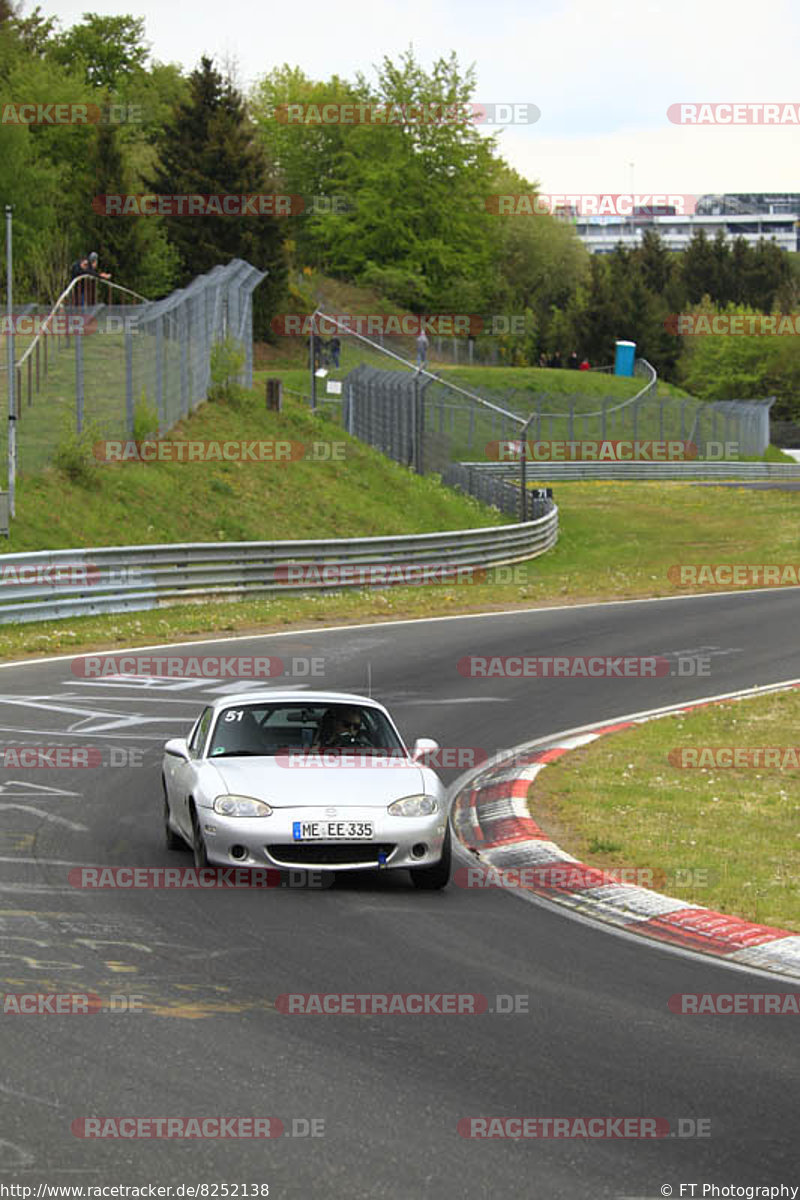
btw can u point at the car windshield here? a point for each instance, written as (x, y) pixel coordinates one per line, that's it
(271, 729)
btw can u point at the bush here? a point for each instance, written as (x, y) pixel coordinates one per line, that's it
(145, 421)
(227, 361)
(75, 458)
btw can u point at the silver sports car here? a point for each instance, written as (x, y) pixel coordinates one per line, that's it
(312, 780)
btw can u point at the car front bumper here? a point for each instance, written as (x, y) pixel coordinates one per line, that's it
(260, 841)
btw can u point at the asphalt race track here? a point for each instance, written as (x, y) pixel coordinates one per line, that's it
(204, 968)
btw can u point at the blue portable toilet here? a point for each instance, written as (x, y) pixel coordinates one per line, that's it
(623, 362)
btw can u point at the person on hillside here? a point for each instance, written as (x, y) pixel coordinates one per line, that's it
(94, 268)
(572, 361)
(584, 365)
(79, 267)
(555, 359)
(335, 349)
(422, 349)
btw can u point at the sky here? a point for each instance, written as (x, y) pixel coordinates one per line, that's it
(602, 75)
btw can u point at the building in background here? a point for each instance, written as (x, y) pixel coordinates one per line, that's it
(765, 215)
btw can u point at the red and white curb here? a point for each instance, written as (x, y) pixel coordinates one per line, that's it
(491, 819)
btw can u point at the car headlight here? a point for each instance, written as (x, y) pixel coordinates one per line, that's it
(413, 806)
(241, 806)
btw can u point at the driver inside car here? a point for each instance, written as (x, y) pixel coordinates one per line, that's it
(342, 727)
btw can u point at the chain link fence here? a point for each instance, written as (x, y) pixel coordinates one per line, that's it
(431, 423)
(107, 366)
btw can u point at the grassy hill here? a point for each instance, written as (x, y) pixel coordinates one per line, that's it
(134, 503)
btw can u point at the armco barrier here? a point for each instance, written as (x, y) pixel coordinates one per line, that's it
(652, 472)
(57, 584)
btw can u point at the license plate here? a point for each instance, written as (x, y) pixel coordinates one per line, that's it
(332, 831)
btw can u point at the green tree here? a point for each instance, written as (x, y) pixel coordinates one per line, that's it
(106, 49)
(416, 225)
(208, 148)
(699, 267)
(133, 248)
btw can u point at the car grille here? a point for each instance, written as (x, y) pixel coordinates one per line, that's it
(331, 854)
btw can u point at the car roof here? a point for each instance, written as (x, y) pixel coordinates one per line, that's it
(300, 696)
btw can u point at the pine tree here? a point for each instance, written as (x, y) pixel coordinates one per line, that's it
(208, 148)
(699, 268)
(119, 240)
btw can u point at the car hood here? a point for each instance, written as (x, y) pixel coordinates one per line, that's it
(289, 786)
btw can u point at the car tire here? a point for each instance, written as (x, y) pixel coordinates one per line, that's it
(198, 845)
(436, 876)
(173, 840)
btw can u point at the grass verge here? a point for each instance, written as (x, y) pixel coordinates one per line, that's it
(723, 837)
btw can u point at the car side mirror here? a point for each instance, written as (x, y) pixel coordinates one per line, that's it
(423, 746)
(177, 748)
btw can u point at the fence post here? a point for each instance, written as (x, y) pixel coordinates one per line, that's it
(159, 376)
(183, 335)
(128, 378)
(79, 384)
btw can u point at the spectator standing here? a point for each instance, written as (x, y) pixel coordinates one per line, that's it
(572, 361)
(79, 267)
(422, 349)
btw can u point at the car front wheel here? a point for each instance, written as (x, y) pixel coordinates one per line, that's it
(438, 874)
(198, 844)
(173, 840)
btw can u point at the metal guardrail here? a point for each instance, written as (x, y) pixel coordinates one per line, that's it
(563, 472)
(59, 584)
